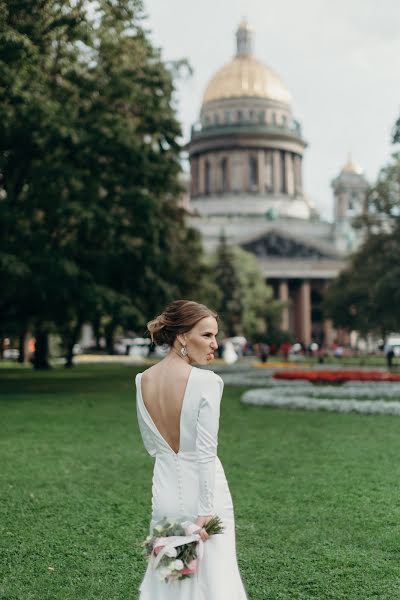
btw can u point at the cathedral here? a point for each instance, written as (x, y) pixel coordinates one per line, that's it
(246, 159)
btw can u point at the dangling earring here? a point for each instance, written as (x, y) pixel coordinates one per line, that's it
(184, 351)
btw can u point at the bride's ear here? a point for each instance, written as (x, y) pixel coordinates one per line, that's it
(181, 338)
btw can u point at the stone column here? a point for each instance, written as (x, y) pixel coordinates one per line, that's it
(202, 174)
(261, 171)
(228, 173)
(245, 171)
(284, 297)
(268, 170)
(289, 173)
(215, 173)
(194, 170)
(236, 172)
(276, 169)
(297, 176)
(300, 175)
(304, 312)
(329, 333)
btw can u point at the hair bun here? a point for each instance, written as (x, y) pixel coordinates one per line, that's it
(179, 317)
(156, 328)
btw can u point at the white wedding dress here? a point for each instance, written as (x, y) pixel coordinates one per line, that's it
(189, 483)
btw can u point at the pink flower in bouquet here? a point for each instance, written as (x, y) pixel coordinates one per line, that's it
(158, 549)
(190, 569)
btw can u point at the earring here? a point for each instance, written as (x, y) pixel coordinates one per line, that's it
(184, 351)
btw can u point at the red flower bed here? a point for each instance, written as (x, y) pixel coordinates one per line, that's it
(337, 376)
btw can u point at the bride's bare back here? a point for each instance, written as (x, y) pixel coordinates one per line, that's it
(163, 391)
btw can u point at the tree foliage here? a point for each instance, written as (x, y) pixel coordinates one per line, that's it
(244, 302)
(89, 161)
(366, 295)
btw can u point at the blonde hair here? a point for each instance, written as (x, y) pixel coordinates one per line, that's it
(178, 317)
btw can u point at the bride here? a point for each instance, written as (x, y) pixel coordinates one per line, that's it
(178, 407)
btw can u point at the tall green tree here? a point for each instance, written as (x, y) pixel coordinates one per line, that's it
(230, 306)
(89, 159)
(245, 302)
(365, 296)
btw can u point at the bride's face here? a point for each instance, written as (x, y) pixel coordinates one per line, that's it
(201, 341)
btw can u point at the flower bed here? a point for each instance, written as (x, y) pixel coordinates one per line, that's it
(337, 376)
(269, 397)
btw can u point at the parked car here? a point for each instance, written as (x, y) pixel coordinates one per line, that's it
(12, 353)
(133, 346)
(393, 340)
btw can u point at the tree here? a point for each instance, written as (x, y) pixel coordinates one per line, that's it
(260, 312)
(230, 306)
(365, 296)
(245, 302)
(89, 159)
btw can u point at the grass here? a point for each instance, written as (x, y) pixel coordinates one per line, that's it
(316, 495)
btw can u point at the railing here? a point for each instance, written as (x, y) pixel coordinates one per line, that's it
(198, 131)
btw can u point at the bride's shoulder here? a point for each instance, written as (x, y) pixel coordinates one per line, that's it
(209, 376)
(147, 373)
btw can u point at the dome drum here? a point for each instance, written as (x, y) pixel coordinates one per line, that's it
(261, 172)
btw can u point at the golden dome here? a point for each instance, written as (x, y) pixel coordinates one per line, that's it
(245, 76)
(351, 167)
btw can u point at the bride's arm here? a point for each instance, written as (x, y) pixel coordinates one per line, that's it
(207, 441)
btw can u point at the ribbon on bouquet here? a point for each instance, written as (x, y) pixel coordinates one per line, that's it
(172, 541)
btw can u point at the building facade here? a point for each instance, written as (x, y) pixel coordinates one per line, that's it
(246, 159)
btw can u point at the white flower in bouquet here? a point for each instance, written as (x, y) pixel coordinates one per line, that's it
(178, 565)
(171, 552)
(163, 573)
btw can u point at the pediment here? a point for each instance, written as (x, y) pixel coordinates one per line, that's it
(277, 244)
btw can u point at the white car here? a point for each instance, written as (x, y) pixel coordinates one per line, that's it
(133, 346)
(11, 353)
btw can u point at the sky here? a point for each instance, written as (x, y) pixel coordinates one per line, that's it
(340, 61)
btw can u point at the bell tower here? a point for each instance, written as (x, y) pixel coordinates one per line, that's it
(349, 189)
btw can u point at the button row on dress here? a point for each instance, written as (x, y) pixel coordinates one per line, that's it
(207, 493)
(180, 487)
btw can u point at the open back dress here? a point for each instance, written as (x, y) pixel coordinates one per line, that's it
(190, 483)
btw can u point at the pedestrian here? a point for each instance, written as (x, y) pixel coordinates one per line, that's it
(389, 356)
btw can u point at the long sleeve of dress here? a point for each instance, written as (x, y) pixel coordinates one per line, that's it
(207, 441)
(147, 437)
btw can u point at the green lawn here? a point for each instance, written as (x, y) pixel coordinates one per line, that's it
(316, 495)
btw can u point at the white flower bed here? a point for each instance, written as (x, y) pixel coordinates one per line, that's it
(291, 387)
(291, 399)
(350, 390)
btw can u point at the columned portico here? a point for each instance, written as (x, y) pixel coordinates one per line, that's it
(300, 315)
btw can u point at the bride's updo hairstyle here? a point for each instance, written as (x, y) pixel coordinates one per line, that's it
(178, 317)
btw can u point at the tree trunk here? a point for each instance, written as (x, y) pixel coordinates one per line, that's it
(96, 331)
(71, 341)
(22, 338)
(41, 356)
(110, 338)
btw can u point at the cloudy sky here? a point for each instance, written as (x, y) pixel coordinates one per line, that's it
(340, 61)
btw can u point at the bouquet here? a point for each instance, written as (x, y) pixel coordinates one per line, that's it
(175, 548)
